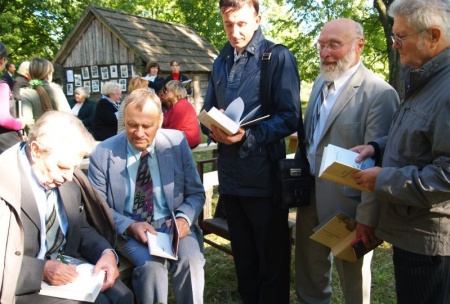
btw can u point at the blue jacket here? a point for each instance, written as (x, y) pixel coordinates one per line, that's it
(254, 175)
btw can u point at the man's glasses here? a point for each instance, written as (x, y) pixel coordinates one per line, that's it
(333, 46)
(399, 39)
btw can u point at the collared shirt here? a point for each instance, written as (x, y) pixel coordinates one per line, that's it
(333, 95)
(41, 202)
(160, 207)
(115, 104)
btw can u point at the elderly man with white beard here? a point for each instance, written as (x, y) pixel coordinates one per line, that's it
(349, 105)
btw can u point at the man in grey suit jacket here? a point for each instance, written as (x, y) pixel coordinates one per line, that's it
(46, 162)
(358, 108)
(176, 188)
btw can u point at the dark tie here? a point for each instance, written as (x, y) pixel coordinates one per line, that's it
(316, 113)
(143, 192)
(54, 235)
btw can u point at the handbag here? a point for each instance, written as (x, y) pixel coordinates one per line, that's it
(293, 181)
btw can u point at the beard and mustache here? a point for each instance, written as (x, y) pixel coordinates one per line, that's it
(332, 72)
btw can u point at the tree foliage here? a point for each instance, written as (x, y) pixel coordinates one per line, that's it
(37, 28)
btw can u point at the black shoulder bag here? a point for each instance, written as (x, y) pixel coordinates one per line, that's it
(293, 179)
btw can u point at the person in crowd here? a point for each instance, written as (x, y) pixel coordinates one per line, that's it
(154, 81)
(22, 81)
(83, 108)
(412, 185)
(258, 227)
(180, 114)
(135, 83)
(175, 68)
(37, 189)
(43, 95)
(106, 112)
(172, 186)
(9, 125)
(348, 105)
(8, 76)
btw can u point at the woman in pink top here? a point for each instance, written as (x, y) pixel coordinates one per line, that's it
(180, 114)
(9, 126)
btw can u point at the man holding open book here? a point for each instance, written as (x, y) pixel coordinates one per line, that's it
(348, 105)
(258, 227)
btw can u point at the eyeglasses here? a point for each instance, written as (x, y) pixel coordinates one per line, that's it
(399, 39)
(165, 90)
(333, 46)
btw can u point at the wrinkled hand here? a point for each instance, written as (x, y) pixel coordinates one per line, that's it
(219, 136)
(364, 152)
(57, 273)
(138, 231)
(107, 263)
(183, 227)
(368, 235)
(367, 178)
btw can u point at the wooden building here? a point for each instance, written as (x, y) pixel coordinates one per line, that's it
(108, 45)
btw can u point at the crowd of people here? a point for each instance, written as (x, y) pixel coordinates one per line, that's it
(144, 179)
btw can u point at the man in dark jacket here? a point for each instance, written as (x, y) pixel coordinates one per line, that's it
(258, 227)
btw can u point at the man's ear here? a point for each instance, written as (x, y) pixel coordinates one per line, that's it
(35, 150)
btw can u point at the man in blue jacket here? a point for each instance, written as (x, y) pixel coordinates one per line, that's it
(258, 227)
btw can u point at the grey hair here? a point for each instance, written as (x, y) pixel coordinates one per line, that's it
(110, 87)
(423, 14)
(140, 97)
(23, 69)
(59, 130)
(177, 88)
(359, 30)
(83, 91)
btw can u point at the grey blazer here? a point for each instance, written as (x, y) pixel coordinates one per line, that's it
(82, 240)
(181, 183)
(362, 112)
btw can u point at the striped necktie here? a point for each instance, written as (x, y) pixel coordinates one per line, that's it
(143, 193)
(316, 113)
(54, 235)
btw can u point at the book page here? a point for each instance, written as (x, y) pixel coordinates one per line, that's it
(86, 287)
(218, 119)
(235, 109)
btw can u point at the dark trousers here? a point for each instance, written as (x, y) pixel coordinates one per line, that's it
(260, 244)
(421, 279)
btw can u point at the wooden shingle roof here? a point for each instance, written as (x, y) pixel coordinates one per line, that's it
(149, 39)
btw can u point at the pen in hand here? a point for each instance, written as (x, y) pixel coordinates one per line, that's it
(62, 259)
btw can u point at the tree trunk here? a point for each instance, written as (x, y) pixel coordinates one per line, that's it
(396, 78)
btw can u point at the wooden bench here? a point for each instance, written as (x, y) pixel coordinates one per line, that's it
(217, 224)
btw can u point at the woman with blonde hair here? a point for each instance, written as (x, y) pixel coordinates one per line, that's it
(44, 95)
(135, 83)
(180, 114)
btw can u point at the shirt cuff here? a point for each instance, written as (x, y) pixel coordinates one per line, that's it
(117, 257)
(181, 214)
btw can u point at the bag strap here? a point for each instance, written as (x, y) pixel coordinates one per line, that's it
(265, 94)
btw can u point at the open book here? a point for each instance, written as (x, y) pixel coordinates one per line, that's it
(338, 165)
(165, 244)
(230, 121)
(86, 287)
(339, 233)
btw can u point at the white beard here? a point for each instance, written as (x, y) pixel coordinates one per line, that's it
(333, 72)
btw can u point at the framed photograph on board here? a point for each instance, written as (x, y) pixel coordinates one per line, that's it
(124, 71)
(85, 72)
(95, 85)
(105, 72)
(69, 89)
(77, 80)
(113, 70)
(87, 85)
(123, 85)
(133, 71)
(94, 71)
(69, 75)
